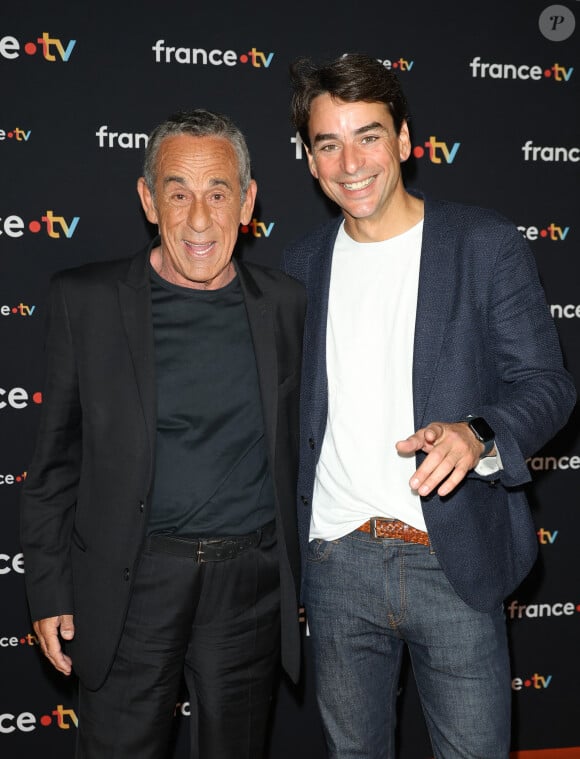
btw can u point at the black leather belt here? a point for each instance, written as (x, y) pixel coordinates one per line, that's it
(209, 549)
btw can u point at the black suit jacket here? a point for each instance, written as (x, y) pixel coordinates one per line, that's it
(87, 493)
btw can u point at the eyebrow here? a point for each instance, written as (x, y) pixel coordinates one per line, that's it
(361, 130)
(214, 181)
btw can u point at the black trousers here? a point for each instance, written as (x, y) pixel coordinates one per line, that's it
(218, 625)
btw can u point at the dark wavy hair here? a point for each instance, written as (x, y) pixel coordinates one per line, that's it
(352, 77)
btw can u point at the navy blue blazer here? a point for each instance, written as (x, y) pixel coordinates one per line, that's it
(485, 344)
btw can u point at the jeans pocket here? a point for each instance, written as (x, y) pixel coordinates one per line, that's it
(319, 550)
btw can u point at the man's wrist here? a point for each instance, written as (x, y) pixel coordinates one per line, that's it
(483, 432)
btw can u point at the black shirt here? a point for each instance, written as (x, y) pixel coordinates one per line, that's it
(211, 472)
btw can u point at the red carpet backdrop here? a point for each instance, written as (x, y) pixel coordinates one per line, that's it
(494, 99)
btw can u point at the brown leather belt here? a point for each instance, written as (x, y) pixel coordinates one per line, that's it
(393, 528)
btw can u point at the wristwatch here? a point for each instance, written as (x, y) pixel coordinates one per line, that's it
(482, 432)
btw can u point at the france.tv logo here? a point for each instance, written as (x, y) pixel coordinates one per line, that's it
(437, 151)
(49, 223)
(50, 48)
(257, 228)
(26, 722)
(165, 53)
(523, 71)
(17, 134)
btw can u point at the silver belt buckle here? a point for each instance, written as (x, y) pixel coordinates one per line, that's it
(373, 525)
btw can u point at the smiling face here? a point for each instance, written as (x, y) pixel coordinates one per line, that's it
(198, 208)
(356, 156)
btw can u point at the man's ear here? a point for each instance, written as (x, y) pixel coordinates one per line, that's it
(147, 200)
(404, 142)
(248, 203)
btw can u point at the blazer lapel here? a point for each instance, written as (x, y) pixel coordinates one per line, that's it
(262, 330)
(434, 300)
(135, 305)
(315, 382)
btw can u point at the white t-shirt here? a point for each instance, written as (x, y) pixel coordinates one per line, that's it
(369, 356)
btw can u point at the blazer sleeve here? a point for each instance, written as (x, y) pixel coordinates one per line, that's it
(50, 489)
(535, 393)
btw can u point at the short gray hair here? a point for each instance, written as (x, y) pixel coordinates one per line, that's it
(199, 123)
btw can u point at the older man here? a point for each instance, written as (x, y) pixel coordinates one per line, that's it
(158, 523)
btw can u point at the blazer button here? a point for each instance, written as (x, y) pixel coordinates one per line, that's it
(141, 506)
(304, 500)
(311, 443)
(126, 574)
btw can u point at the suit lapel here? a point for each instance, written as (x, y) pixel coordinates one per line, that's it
(261, 321)
(135, 305)
(434, 300)
(435, 297)
(315, 369)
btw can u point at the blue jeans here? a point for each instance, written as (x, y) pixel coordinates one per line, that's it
(365, 599)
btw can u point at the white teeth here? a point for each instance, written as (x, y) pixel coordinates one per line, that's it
(358, 185)
(199, 247)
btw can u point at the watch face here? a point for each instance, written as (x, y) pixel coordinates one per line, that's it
(481, 429)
